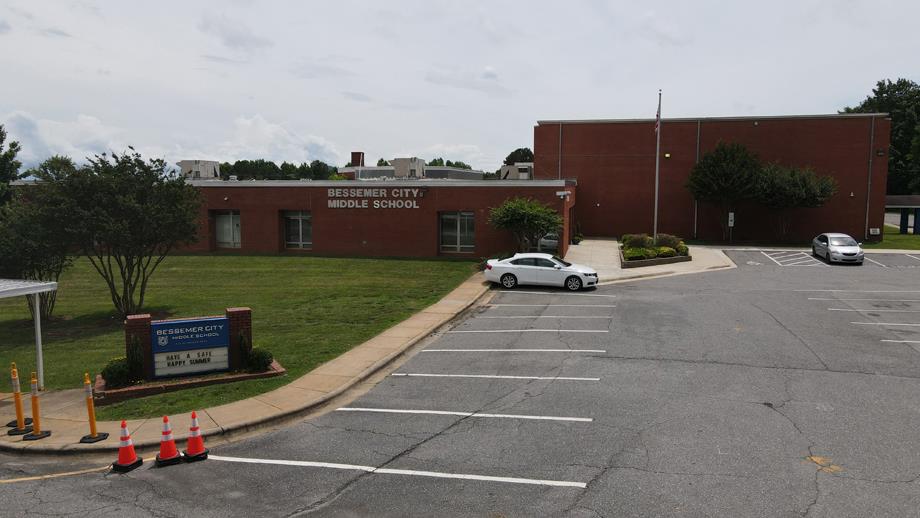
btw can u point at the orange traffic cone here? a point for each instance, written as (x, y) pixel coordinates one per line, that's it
(168, 453)
(127, 459)
(194, 449)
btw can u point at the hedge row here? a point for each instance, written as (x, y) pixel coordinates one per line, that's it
(641, 246)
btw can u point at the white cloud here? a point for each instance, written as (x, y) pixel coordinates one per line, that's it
(255, 137)
(79, 138)
(4, 27)
(486, 81)
(233, 34)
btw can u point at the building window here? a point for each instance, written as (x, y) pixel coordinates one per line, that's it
(298, 229)
(227, 225)
(457, 232)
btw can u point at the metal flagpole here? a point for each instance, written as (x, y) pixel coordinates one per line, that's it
(657, 162)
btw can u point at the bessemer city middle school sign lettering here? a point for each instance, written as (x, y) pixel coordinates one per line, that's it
(375, 198)
(190, 346)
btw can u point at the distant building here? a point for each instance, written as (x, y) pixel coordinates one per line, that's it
(411, 168)
(517, 171)
(199, 169)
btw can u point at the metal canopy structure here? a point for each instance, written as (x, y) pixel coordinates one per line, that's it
(17, 288)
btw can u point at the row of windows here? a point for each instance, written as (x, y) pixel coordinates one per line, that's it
(456, 230)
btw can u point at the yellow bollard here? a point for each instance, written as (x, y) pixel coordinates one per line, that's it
(37, 432)
(93, 436)
(21, 425)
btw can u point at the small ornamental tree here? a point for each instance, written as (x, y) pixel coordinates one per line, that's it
(782, 188)
(527, 219)
(724, 177)
(126, 214)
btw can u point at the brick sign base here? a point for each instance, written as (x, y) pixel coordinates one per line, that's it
(137, 330)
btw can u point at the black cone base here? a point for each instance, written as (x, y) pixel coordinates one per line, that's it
(89, 439)
(167, 462)
(32, 436)
(19, 431)
(12, 424)
(194, 458)
(124, 468)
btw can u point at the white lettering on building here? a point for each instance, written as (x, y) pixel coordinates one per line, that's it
(374, 198)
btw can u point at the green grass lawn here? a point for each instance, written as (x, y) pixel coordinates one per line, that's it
(305, 310)
(896, 241)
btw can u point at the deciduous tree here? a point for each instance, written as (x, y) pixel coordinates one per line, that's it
(9, 166)
(724, 177)
(127, 214)
(527, 219)
(521, 154)
(782, 189)
(901, 100)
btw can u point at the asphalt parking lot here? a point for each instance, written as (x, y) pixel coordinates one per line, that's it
(764, 390)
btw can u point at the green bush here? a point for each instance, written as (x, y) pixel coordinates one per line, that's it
(636, 241)
(633, 254)
(667, 240)
(682, 249)
(259, 360)
(577, 238)
(650, 252)
(117, 373)
(666, 251)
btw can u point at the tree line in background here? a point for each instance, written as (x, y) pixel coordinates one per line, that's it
(122, 212)
(262, 169)
(731, 174)
(901, 100)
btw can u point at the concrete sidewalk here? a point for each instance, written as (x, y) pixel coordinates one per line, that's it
(64, 411)
(603, 255)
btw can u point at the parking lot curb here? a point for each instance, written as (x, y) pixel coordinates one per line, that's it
(455, 303)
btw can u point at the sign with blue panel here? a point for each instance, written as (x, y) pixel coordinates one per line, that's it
(190, 346)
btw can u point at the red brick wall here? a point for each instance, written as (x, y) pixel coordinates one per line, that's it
(615, 167)
(366, 232)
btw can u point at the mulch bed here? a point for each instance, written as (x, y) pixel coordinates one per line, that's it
(150, 388)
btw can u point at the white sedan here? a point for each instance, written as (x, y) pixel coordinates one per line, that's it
(543, 269)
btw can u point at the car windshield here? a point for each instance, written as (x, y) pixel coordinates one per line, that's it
(560, 261)
(843, 241)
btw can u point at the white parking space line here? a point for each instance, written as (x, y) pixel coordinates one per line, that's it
(771, 258)
(868, 300)
(409, 472)
(530, 331)
(514, 351)
(466, 414)
(491, 376)
(913, 257)
(806, 262)
(866, 257)
(547, 316)
(562, 293)
(862, 291)
(877, 310)
(551, 305)
(884, 324)
(903, 341)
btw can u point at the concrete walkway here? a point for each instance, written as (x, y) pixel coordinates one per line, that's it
(603, 255)
(64, 411)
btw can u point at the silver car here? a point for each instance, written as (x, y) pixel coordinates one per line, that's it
(837, 248)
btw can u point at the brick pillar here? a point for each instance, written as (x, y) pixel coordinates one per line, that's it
(240, 327)
(137, 327)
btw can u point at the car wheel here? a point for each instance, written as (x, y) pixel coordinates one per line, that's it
(814, 253)
(573, 283)
(509, 281)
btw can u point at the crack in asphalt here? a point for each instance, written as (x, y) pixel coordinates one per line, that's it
(793, 333)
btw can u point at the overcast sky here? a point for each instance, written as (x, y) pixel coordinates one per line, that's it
(465, 80)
